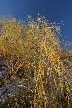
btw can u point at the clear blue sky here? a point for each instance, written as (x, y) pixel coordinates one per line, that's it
(55, 11)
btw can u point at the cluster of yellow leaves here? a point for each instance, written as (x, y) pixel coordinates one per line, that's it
(36, 46)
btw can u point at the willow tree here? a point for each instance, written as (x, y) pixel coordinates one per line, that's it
(33, 54)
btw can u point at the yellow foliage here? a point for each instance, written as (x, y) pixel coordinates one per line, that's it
(36, 49)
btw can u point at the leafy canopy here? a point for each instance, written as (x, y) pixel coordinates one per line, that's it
(33, 54)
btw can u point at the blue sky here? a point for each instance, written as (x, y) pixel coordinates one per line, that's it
(55, 11)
